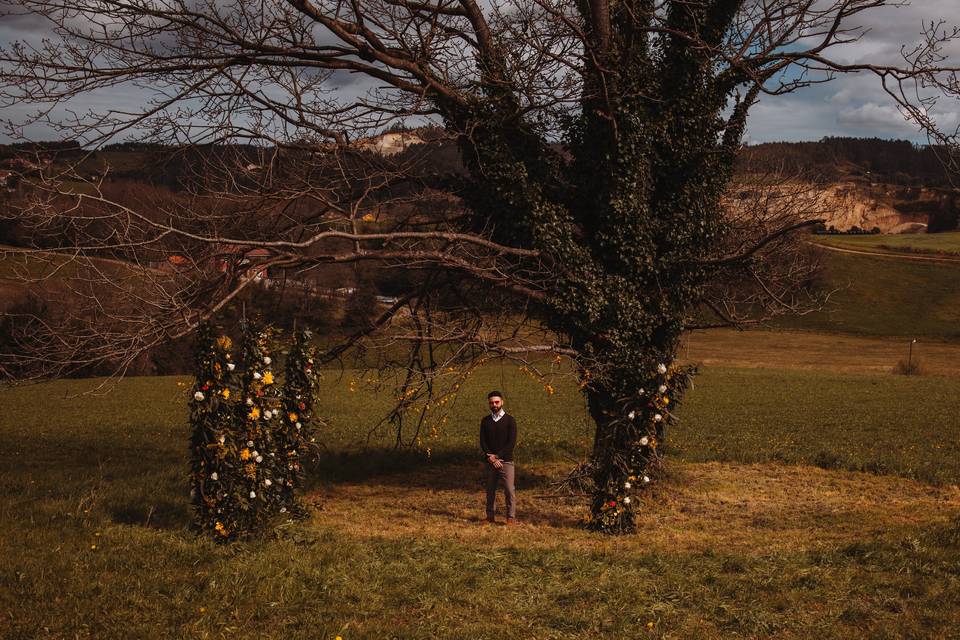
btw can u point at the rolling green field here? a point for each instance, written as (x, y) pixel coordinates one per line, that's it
(886, 297)
(736, 541)
(946, 244)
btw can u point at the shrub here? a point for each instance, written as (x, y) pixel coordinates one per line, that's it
(912, 368)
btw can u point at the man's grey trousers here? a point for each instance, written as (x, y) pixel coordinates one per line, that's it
(494, 476)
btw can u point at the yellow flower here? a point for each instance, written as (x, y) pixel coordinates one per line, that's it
(666, 400)
(268, 378)
(245, 454)
(549, 389)
(254, 413)
(293, 417)
(225, 393)
(368, 217)
(224, 342)
(222, 530)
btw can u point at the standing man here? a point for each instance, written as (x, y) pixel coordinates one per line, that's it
(498, 435)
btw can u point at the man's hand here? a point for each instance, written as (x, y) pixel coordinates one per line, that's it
(497, 464)
(494, 460)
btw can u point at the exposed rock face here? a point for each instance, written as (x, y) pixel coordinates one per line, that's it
(392, 143)
(891, 208)
(850, 204)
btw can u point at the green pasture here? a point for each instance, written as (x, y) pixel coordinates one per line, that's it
(94, 517)
(946, 243)
(875, 296)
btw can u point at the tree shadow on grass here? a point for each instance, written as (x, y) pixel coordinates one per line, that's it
(156, 512)
(450, 469)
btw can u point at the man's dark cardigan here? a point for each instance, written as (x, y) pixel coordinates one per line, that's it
(499, 437)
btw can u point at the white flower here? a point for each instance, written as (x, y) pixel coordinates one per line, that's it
(626, 485)
(273, 455)
(231, 366)
(641, 392)
(632, 415)
(283, 509)
(222, 439)
(657, 417)
(259, 458)
(214, 476)
(663, 388)
(249, 402)
(626, 500)
(198, 396)
(249, 443)
(644, 440)
(267, 482)
(661, 368)
(646, 479)
(268, 414)
(254, 453)
(298, 426)
(253, 494)
(193, 493)
(256, 375)
(266, 360)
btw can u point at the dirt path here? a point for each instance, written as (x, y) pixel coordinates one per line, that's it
(751, 509)
(889, 254)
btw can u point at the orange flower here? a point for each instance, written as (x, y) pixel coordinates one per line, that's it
(245, 454)
(254, 413)
(293, 417)
(268, 378)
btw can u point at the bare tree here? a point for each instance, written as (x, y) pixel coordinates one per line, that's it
(597, 142)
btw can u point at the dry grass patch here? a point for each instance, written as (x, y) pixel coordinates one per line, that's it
(815, 352)
(754, 509)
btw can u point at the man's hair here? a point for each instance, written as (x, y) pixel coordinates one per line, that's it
(494, 393)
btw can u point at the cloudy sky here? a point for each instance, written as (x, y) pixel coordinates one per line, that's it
(847, 106)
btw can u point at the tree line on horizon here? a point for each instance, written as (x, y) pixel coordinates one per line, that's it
(830, 159)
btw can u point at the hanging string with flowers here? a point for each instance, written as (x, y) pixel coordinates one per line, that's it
(641, 429)
(217, 480)
(294, 436)
(258, 415)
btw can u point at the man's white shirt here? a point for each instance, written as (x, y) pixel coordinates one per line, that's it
(496, 416)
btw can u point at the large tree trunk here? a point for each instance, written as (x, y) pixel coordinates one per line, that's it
(630, 403)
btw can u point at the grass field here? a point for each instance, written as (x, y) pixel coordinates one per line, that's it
(886, 297)
(947, 243)
(759, 529)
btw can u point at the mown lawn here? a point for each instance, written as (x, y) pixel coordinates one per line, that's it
(735, 542)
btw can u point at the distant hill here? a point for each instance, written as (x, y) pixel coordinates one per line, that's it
(868, 183)
(895, 162)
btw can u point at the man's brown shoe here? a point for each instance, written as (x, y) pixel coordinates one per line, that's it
(490, 520)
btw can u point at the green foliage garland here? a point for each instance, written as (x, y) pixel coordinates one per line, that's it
(294, 431)
(217, 482)
(263, 471)
(249, 433)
